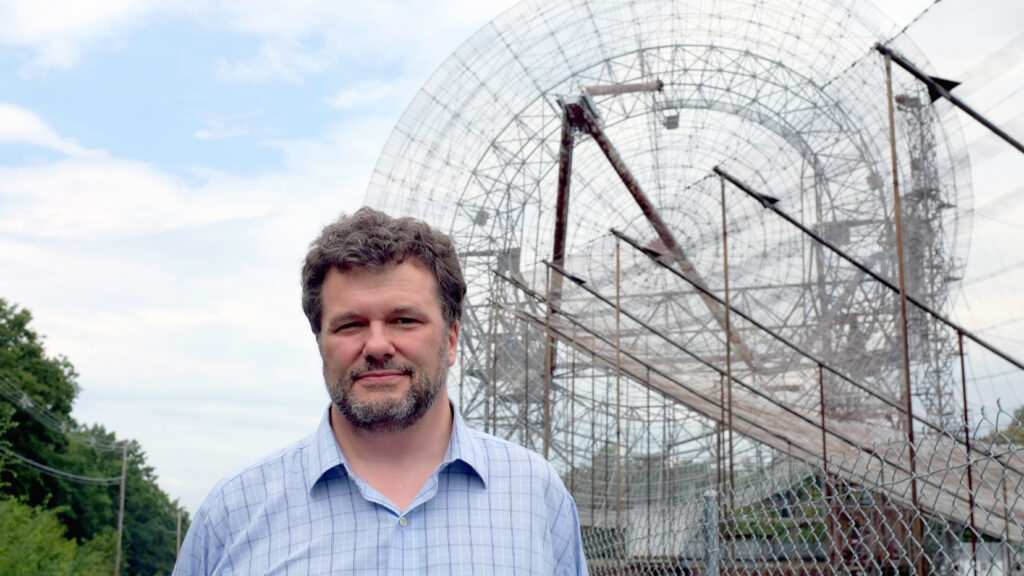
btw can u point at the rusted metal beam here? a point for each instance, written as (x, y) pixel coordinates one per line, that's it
(557, 256)
(967, 442)
(728, 345)
(918, 525)
(675, 251)
(777, 336)
(832, 555)
(611, 361)
(562, 201)
(759, 393)
(752, 423)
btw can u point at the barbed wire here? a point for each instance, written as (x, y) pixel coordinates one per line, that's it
(870, 51)
(912, 22)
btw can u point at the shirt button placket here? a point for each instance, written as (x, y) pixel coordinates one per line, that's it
(402, 521)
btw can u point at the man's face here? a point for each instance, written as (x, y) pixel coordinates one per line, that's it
(385, 348)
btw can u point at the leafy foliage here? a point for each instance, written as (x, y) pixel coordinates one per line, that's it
(86, 512)
(792, 515)
(34, 543)
(1011, 433)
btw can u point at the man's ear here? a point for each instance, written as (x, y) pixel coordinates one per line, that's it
(453, 343)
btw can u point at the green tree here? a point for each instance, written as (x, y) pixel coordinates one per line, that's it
(6, 416)
(1011, 433)
(49, 384)
(150, 519)
(34, 543)
(36, 397)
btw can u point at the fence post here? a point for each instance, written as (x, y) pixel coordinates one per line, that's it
(712, 552)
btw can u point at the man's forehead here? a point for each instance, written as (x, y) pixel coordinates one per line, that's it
(378, 269)
(371, 272)
(375, 267)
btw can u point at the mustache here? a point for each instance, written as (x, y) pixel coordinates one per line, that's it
(390, 365)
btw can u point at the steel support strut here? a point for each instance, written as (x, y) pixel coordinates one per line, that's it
(769, 203)
(588, 122)
(941, 90)
(558, 257)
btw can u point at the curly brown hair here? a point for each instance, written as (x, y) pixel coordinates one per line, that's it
(372, 240)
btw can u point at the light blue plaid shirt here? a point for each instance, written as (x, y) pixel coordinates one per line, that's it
(491, 507)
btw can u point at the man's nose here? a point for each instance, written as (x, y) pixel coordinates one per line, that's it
(378, 342)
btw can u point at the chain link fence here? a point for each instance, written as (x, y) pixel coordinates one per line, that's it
(679, 466)
(854, 515)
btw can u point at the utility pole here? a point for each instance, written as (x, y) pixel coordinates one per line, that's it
(177, 536)
(120, 512)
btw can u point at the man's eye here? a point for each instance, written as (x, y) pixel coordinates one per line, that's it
(405, 320)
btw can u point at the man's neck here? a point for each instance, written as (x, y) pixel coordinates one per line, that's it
(397, 463)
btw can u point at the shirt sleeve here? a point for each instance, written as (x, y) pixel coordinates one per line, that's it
(201, 548)
(566, 537)
(576, 561)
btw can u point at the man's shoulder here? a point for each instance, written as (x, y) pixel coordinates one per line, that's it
(498, 445)
(271, 474)
(528, 489)
(506, 459)
(247, 496)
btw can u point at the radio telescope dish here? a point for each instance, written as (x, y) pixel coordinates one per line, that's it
(786, 96)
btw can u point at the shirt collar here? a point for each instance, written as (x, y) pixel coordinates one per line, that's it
(464, 446)
(325, 455)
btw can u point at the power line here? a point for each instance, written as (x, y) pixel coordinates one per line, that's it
(20, 399)
(16, 396)
(106, 481)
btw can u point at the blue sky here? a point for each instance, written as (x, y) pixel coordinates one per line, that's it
(164, 164)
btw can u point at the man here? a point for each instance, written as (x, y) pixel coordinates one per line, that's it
(393, 481)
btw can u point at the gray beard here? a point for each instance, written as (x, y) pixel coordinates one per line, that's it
(388, 415)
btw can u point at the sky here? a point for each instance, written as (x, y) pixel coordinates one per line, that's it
(165, 163)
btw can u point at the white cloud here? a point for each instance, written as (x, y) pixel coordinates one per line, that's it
(167, 328)
(215, 134)
(90, 194)
(20, 126)
(277, 59)
(341, 155)
(369, 92)
(177, 297)
(220, 132)
(308, 37)
(107, 198)
(224, 127)
(270, 18)
(57, 31)
(295, 39)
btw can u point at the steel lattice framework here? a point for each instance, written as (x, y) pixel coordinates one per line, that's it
(615, 361)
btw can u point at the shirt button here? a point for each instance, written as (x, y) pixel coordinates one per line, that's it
(402, 521)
